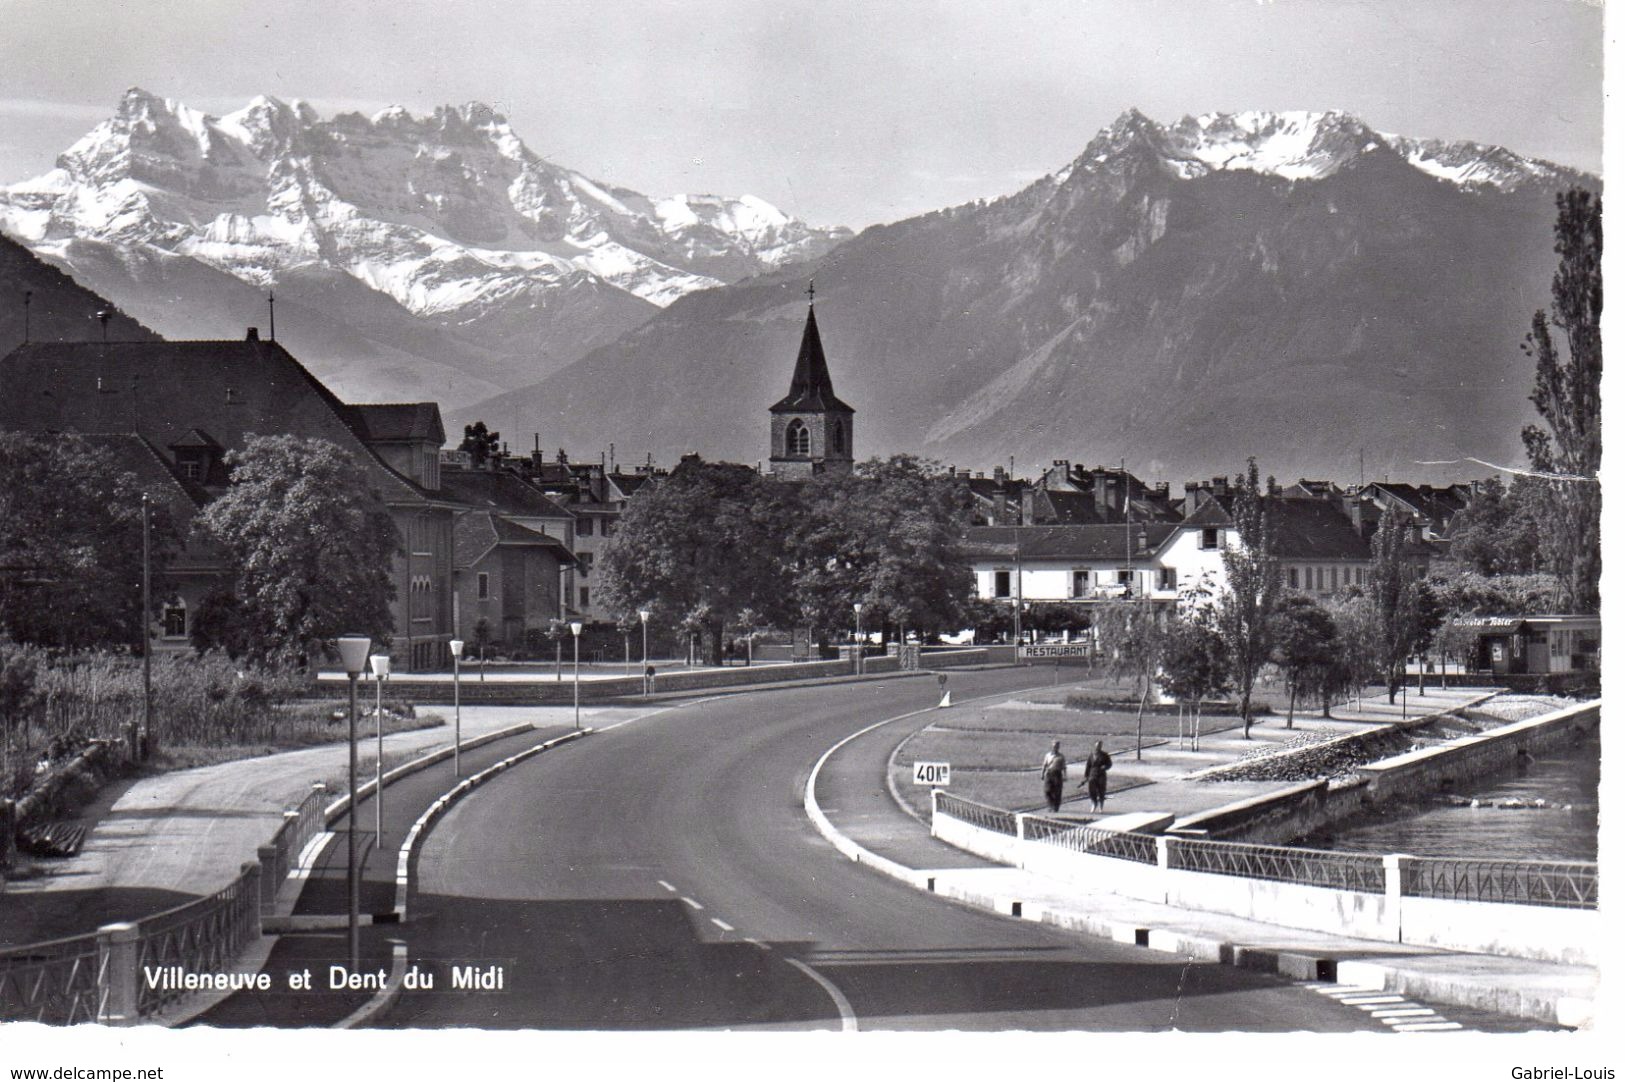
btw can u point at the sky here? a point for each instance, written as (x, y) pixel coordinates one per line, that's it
(838, 111)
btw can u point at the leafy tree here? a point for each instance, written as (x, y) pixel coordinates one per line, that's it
(480, 444)
(1357, 657)
(21, 667)
(1498, 533)
(1497, 595)
(707, 542)
(1193, 665)
(1254, 588)
(70, 544)
(1568, 394)
(889, 537)
(1396, 598)
(1305, 645)
(310, 546)
(1130, 636)
(1453, 640)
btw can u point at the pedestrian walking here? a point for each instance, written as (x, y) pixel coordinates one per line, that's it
(1094, 776)
(1053, 771)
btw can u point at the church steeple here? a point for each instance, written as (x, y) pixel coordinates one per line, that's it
(811, 427)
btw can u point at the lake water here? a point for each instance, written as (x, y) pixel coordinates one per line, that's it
(1566, 829)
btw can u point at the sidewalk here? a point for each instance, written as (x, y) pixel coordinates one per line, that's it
(160, 841)
(867, 822)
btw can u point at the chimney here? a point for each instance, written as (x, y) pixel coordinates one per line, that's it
(253, 335)
(998, 474)
(1193, 492)
(1026, 507)
(1102, 492)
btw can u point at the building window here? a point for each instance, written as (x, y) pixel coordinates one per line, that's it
(1210, 537)
(1001, 584)
(175, 619)
(585, 596)
(1292, 577)
(1320, 579)
(484, 586)
(797, 439)
(1080, 583)
(585, 559)
(837, 437)
(1125, 577)
(1168, 578)
(192, 469)
(584, 527)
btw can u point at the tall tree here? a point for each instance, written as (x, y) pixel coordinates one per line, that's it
(1396, 597)
(1498, 533)
(480, 443)
(70, 544)
(310, 544)
(1568, 394)
(1305, 645)
(1252, 590)
(1131, 638)
(701, 546)
(889, 537)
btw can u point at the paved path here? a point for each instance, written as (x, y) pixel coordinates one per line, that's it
(1483, 990)
(163, 840)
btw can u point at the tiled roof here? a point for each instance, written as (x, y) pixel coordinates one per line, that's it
(498, 490)
(1091, 542)
(477, 534)
(810, 388)
(398, 421)
(163, 390)
(1314, 530)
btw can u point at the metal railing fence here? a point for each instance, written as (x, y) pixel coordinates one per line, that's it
(202, 936)
(1285, 864)
(59, 982)
(1571, 885)
(985, 816)
(1082, 838)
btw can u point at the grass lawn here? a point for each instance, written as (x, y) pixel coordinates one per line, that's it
(307, 725)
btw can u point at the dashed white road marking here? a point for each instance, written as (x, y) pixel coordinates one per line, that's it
(1400, 1013)
(667, 885)
(1419, 1027)
(1362, 1001)
(720, 923)
(692, 902)
(849, 1019)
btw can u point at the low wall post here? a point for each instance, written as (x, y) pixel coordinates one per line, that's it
(1021, 826)
(268, 876)
(1393, 882)
(1162, 851)
(117, 976)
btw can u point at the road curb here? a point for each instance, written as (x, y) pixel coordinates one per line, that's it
(1294, 965)
(384, 999)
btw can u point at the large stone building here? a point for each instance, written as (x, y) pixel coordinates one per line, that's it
(171, 411)
(811, 429)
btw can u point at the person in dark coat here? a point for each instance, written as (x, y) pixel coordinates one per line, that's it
(1053, 771)
(1094, 776)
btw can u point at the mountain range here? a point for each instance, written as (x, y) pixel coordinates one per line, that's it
(410, 257)
(1295, 286)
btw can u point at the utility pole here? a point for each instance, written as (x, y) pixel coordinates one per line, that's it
(146, 623)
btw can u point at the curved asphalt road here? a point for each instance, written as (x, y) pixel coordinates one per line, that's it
(662, 874)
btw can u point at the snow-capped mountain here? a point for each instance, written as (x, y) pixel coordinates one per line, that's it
(508, 264)
(1292, 285)
(1308, 146)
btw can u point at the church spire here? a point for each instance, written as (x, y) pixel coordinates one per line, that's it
(810, 387)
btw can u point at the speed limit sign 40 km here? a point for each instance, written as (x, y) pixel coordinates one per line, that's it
(931, 773)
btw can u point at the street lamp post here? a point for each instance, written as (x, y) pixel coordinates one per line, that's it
(575, 640)
(643, 618)
(380, 670)
(456, 707)
(857, 622)
(353, 652)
